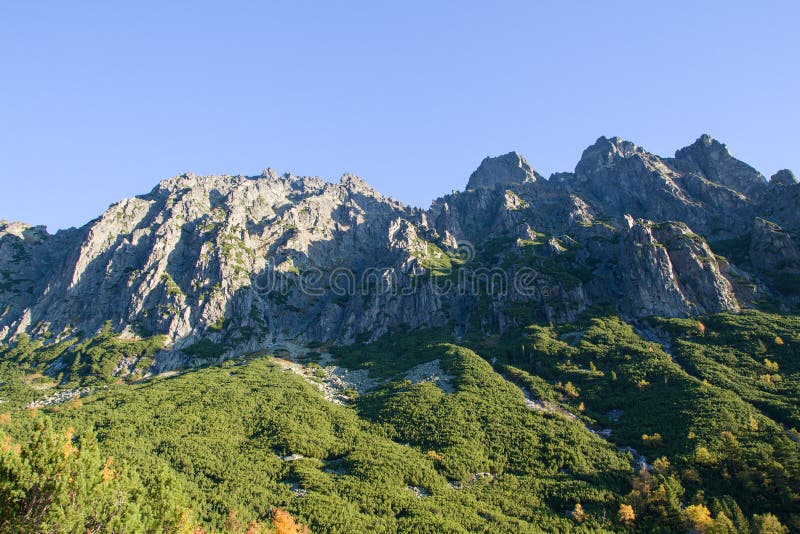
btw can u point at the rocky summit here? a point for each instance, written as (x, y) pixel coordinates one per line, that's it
(248, 261)
(507, 169)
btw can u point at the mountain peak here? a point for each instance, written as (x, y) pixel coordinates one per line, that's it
(355, 183)
(707, 140)
(783, 177)
(707, 144)
(603, 151)
(22, 230)
(509, 168)
(713, 160)
(270, 173)
(615, 144)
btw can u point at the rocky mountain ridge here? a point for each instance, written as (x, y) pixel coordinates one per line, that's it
(244, 262)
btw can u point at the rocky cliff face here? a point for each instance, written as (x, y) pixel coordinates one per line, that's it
(666, 268)
(773, 250)
(780, 201)
(187, 257)
(248, 261)
(618, 177)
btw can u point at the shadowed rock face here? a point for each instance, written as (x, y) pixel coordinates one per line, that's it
(711, 159)
(779, 202)
(617, 177)
(620, 177)
(784, 177)
(223, 257)
(772, 250)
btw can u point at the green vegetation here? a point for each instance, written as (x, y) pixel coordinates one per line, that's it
(205, 349)
(437, 261)
(172, 288)
(73, 363)
(484, 426)
(786, 283)
(219, 325)
(719, 437)
(754, 355)
(57, 482)
(357, 479)
(736, 250)
(234, 251)
(229, 448)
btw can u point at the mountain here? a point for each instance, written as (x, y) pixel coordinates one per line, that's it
(228, 258)
(611, 349)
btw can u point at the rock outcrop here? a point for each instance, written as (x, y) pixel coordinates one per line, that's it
(784, 177)
(665, 269)
(617, 177)
(507, 169)
(249, 261)
(772, 250)
(780, 202)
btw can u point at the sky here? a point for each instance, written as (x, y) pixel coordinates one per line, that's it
(101, 100)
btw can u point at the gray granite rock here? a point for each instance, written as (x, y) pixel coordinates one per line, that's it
(253, 261)
(507, 169)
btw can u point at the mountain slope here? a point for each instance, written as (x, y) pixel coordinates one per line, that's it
(589, 352)
(248, 261)
(491, 434)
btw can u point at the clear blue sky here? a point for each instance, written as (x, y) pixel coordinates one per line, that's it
(101, 100)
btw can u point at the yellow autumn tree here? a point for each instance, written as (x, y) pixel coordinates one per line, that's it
(701, 328)
(704, 457)
(435, 456)
(625, 514)
(578, 514)
(698, 518)
(661, 465)
(652, 440)
(284, 523)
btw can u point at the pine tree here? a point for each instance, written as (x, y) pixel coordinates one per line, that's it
(54, 481)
